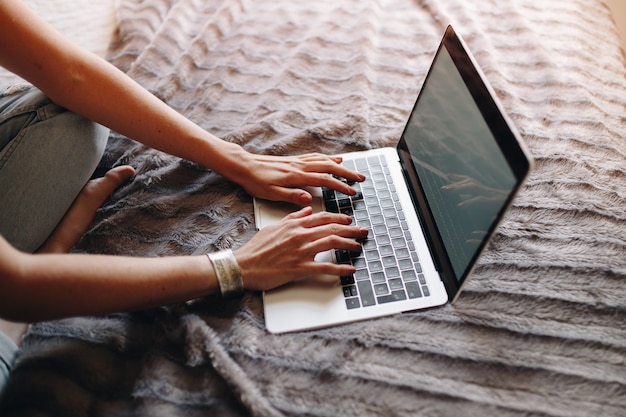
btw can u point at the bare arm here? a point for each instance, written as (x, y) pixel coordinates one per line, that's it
(59, 285)
(54, 284)
(47, 286)
(88, 85)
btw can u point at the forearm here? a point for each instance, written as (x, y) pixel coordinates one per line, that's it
(102, 93)
(91, 87)
(44, 287)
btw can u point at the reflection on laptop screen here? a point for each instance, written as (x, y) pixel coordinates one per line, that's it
(464, 175)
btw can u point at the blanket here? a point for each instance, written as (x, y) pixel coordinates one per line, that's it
(540, 329)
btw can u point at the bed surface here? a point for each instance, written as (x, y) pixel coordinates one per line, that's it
(541, 327)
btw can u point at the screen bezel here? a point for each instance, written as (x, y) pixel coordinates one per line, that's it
(506, 136)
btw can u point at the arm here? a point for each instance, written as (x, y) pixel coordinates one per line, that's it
(48, 286)
(88, 85)
(53, 284)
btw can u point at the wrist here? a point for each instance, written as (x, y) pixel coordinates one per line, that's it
(227, 272)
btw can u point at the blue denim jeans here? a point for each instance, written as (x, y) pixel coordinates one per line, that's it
(8, 354)
(47, 154)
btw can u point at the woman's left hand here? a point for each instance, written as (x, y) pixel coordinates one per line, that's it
(283, 178)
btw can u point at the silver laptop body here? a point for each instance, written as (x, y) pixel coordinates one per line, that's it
(431, 204)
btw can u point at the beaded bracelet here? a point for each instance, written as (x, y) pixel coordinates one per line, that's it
(227, 271)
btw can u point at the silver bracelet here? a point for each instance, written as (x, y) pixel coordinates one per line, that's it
(227, 271)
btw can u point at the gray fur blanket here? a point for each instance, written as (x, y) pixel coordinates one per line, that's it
(541, 328)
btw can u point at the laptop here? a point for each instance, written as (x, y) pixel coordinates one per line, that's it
(431, 204)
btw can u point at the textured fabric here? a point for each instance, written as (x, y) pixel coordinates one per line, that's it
(539, 330)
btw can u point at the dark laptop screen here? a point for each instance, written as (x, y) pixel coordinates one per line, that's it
(465, 177)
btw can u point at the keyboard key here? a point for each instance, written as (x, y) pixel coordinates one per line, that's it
(422, 279)
(384, 194)
(394, 296)
(395, 232)
(398, 243)
(352, 303)
(372, 255)
(349, 164)
(375, 266)
(377, 219)
(392, 272)
(386, 250)
(347, 211)
(381, 289)
(402, 253)
(343, 257)
(378, 176)
(383, 240)
(389, 261)
(409, 275)
(369, 244)
(361, 215)
(344, 202)
(361, 274)
(413, 289)
(359, 262)
(392, 221)
(347, 280)
(358, 205)
(366, 293)
(350, 291)
(331, 206)
(405, 264)
(380, 229)
(378, 277)
(360, 163)
(425, 291)
(373, 160)
(381, 185)
(395, 284)
(365, 223)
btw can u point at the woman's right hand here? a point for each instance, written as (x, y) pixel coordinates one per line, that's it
(285, 251)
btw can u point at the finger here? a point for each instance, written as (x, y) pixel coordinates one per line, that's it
(303, 212)
(329, 268)
(295, 196)
(345, 241)
(324, 218)
(329, 181)
(325, 164)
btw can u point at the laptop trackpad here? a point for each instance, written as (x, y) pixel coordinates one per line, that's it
(306, 303)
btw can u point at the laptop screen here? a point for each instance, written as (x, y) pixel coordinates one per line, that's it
(460, 166)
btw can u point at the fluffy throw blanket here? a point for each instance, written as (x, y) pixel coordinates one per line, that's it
(541, 328)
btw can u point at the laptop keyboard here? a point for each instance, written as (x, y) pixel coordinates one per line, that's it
(388, 268)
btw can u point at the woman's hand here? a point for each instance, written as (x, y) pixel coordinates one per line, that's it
(286, 250)
(83, 210)
(282, 178)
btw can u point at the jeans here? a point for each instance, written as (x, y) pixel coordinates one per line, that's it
(8, 354)
(47, 155)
